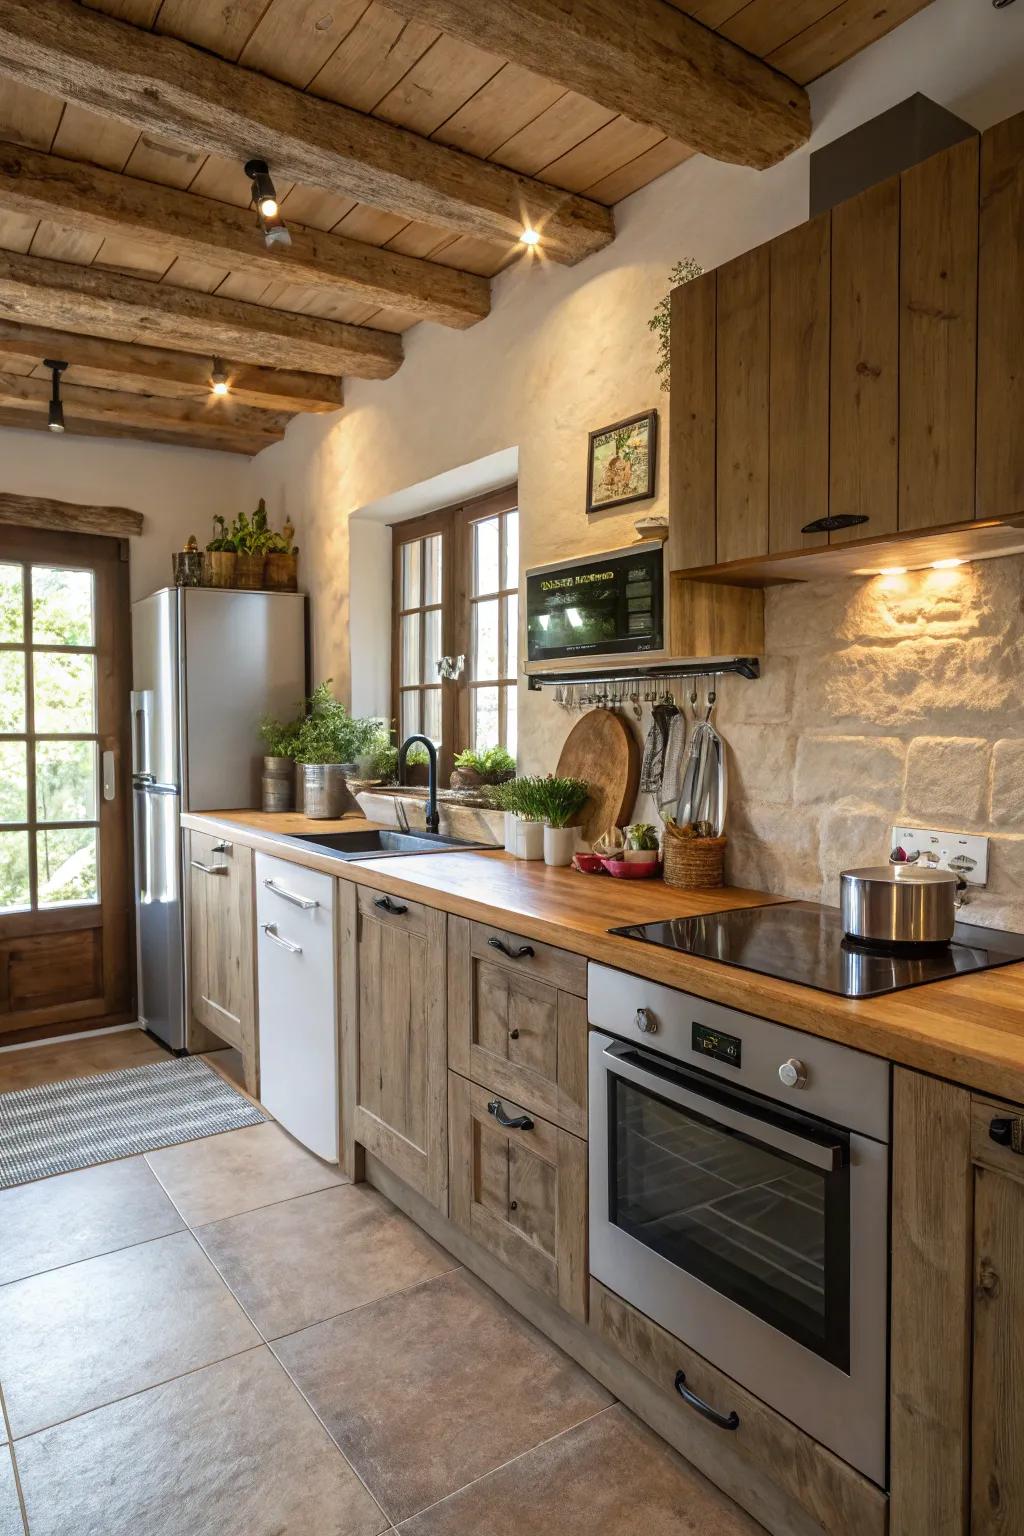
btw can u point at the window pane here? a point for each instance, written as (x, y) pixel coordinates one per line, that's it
(432, 642)
(66, 866)
(14, 890)
(485, 639)
(66, 781)
(432, 569)
(411, 574)
(432, 714)
(12, 611)
(511, 732)
(13, 781)
(486, 563)
(512, 636)
(65, 693)
(512, 550)
(411, 648)
(12, 690)
(61, 606)
(410, 713)
(485, 718)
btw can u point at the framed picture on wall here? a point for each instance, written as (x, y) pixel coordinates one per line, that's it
(622, 462)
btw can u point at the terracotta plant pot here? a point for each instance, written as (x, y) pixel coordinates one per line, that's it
(281, 573)
(249, 572)
(417, 774)
(219, 568)
(466, 778)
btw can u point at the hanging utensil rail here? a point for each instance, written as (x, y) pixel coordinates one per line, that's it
(664, 672)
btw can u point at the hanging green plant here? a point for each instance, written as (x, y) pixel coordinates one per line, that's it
(661, 321)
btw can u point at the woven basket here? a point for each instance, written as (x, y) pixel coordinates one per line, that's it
(693, 863)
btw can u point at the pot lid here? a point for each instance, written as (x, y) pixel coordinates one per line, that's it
(900, 874)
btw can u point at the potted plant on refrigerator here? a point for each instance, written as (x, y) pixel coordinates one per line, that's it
(220, 557)
(328, 744)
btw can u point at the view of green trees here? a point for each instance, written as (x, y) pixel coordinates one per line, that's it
(66, 770)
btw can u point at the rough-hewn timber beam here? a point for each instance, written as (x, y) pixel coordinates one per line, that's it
(166, 87)
(57, 294)
(212, 417)
(646, 59)
(75, 427)
(46, 187)
(125, 365)
(68, 516)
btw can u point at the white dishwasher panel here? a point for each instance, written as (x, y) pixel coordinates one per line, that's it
(298, 1022)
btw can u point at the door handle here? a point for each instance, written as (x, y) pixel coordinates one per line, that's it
(270, 929)
(109, 776)
(209, 869)
(524, 952)
(519, 1123)
(305, 902)
(723, 1420)
(394, 907)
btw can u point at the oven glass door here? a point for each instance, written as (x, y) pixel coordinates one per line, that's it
(749, 1197)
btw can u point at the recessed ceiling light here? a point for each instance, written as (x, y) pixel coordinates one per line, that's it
(893, 570)
(530, 236)
(219, 378)
(945, 565)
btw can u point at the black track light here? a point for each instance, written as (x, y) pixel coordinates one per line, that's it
(264, 198)
(55, 416)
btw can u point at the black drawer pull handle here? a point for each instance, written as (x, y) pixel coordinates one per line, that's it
(520, 1123)
(387, 905)
(524, 952)
(723, 1420)
(1008, 1133)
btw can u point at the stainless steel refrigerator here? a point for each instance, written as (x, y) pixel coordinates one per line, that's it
(206, 665)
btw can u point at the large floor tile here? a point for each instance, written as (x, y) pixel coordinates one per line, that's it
(305, 1260)
(430, 1389)
(77, 1337)
(608, 1477)
(10, 1509)
(228, 1450)
(238, 1171)
(76, 1216)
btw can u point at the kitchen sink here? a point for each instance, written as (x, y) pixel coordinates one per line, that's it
(383, 843)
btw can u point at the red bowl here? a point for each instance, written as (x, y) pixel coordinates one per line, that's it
(632, 869)
(588, 863)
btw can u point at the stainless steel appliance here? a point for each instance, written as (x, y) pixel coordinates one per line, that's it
(206, 665)
(804, 942)
(739, 1179)
(898, 904)
(598, 605)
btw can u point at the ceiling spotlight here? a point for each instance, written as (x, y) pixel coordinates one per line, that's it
(264, 198)
(530, 236)
(55, 415)
(945, 565)
(219, 378)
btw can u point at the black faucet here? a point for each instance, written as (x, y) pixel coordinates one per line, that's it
(433, 819)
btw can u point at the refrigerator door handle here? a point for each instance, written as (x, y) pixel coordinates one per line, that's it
(142, 699)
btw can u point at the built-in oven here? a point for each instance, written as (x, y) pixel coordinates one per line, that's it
(739, 1195)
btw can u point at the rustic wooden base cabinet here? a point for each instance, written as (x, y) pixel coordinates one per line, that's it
(221, 929)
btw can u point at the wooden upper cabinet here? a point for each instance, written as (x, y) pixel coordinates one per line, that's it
(938, 338)
(1000, 483)
(742, 394)
(798, 395)
(865, 354)
(693, 423)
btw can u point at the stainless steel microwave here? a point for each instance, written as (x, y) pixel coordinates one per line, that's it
(597, 605)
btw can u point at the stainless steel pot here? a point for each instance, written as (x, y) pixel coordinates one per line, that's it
(898, 904)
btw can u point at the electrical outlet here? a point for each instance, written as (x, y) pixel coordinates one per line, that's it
(962, 852)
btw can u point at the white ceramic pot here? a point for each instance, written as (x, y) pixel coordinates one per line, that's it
(559, 845)
(641, 855)
(511, 831)
(529, 840)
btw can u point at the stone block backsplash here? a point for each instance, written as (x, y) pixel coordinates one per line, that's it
(894, 698)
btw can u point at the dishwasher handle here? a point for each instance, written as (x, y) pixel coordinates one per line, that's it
(270, 929)
(305, 902)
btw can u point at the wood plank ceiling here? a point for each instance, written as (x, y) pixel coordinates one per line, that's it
(85, 245)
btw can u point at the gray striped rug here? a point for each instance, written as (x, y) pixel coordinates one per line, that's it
(87, 1120)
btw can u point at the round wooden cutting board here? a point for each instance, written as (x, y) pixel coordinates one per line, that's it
(602, 749)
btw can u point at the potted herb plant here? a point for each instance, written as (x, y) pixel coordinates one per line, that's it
(280, 739)
(281, 571)
(250, 540)
(221, 557)
(641, 844)
(524, 817)
(328, 743)
(473, 769)
(560, 802)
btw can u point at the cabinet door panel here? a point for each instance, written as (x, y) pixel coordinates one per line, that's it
(742, 393)
(798, 472)
(222, 989)
(1001, 321)
(864, 405)
(938, 338)
(997, 1475)
(692, 424)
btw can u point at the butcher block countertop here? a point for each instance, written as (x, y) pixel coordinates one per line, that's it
(969, 1030)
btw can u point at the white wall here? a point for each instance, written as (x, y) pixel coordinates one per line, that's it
(567, 349)
(177, 490)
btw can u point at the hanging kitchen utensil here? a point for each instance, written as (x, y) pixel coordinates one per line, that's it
(672, 770)
(704, 793)
(652, 775)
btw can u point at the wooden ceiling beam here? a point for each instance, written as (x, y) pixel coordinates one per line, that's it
(647, 60)
(68, 516)
(227, 442)
(212, 416)
(126, 365)
(199, 229)
(67, 297)
(168, 88)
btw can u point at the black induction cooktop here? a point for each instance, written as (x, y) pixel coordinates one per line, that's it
(804, 942)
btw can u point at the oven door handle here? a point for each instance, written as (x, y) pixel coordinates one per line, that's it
(816, 1154)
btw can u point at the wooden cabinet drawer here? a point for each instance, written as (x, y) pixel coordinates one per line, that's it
(520, 1192)
(842, 1501)
(992, 1153)
(519, 1026)
(410, 916)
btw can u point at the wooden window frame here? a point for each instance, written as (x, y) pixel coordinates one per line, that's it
(455, 525)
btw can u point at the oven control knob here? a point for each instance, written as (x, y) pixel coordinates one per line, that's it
(793, 1073)
(646, 1023)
